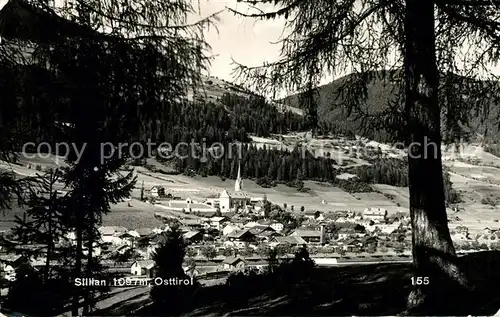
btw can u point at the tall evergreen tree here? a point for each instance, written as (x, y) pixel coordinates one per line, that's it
(111, 71)
(169, 257)
(44, 223)
(425, 38)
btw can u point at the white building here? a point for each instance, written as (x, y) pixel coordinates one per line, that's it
(251, 224)
(154, 192)
(112, 234)
(233, 264)
(9, 273)
(277, 226)
(238, 185)
(230, 228)
(228, 200)
(216, 222)
(375, 214)
(142, 267)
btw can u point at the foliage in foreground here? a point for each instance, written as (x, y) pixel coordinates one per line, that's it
(169, 257)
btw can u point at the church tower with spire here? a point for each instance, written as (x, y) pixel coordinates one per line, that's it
(239, 183)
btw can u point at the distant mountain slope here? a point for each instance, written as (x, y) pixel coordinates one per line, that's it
(333, 115)
(213, 88)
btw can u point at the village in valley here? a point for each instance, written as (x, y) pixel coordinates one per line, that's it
(234, 232)
(231, 228)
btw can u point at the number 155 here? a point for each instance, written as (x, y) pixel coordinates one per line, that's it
(420, 280)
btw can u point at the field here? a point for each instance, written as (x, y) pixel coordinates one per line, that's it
(400, 194)
(138, 215)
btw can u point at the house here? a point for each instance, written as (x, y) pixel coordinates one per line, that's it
(142, 268)
(69, 237)
(122, 249)
(488, 230)
(458, 236)
(388, 229)
(160, 230)
(193, 236)
(278, 226)
(96, 250)
(372, 242)
(9, 272)
(144, 241)
(111, 234)
(291, 240)
(192, 224)
(157, 191)
(191, 271)
(275, 225)
(258, 229)
(344, 220)
(229, 229)
(310, 236)
(154, 192)
(233, 264)
(314, 215)
(241, 237)
(9, 263)
(144, 232)
(263, 232)
(267, 236)
(127, 239)
(353, 245)
(258, 206)
(205, 212)
(346, 233)
(227, 200)
(375, 214)
(462, 229)
(251, 224)
(217, 222)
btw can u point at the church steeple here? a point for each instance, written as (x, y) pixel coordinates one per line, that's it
(238, 184)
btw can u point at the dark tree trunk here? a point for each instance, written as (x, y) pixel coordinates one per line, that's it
(433, 252)
(90, 245)
(78, 265)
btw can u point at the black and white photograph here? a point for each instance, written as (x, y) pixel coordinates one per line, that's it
(249, 158)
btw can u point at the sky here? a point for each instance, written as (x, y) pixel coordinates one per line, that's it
(243, 39)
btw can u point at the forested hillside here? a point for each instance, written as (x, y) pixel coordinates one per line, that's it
(382, 91)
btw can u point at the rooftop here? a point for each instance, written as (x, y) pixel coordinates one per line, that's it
(189, 222)
(239, 234)
(111, 230)
(217, 219)
(146, 264)
(190, 234)
(307, 233)
(290, 240)
(232, 260)
(144, 231)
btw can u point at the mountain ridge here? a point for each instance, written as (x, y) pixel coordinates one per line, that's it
(382, 89)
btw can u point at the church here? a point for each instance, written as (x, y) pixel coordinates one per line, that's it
(238, 198)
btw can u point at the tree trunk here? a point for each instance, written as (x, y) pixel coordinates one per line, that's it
(87, 307)
(433, 252)
(78, 265)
